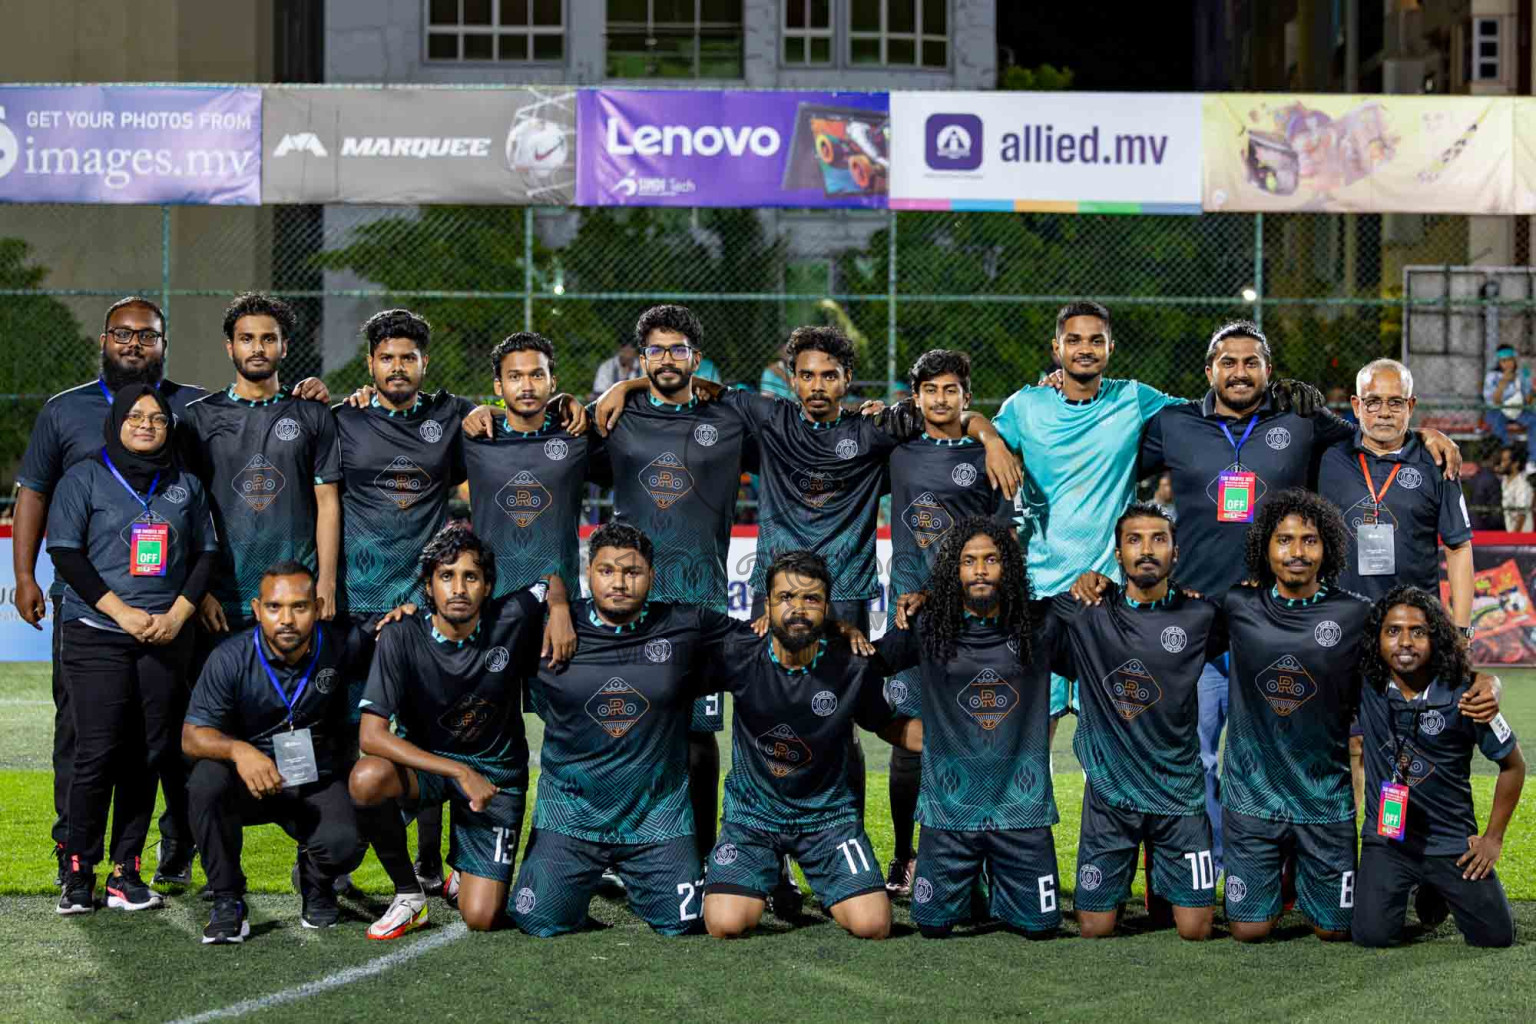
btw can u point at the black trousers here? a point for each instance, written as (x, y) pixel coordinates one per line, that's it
(63, 735)
(1388, 872)
(127, 700)
(319, 816)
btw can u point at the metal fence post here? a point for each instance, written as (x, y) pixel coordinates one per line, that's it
(890, 305)
(528, 268)
(1258, 269)
(165, 258)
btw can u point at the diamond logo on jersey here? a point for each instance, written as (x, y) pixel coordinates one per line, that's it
(666, 480)
(431, 431)
(1419, 766)
(824, 703)
(1213, 489)
(1409, 478)
(497, 659)
(1357, 514)
(403, 482)
(325, 681)
(725, 854)
(1432, 723)
(817, 486)
(659, 650)
(963, 475)
(922, 890)
(616, 707)
(523, 498)
(847, 448)
(1327, 633)
(988, 699)
(706, 434)
(556, 449)
(1174, 639)
(154, 518)
(286, 429)
(526, 900)
(1132, 689)
(176, 494)
(1277, 438)
(1089, 877)
(1236, 889)
(1286, 685)
(470, 719)
(259, 483)
(785, 752)
(927, 519)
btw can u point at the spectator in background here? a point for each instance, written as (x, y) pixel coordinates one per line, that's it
(1515, 491)
(1162, 495)
(623, 365)
(777, 381)
(1507, 391)
(1483, 489)
(1338, 401)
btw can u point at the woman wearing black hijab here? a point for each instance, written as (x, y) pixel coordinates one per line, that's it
(130, 533)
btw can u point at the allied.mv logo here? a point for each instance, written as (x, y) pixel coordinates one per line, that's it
(963, 474)
(1132, 689)
(666, 480)
(431, 431)
(824, 703)
(1174, 639)
(259, 483)
(1277, 438)
(523, 498)
(555, 449)
(286, 429)
(1286, 685)
(1327, 633)
(927, 519)
(784, 751)
(403, 482)
(659, 650)
(706, 434)
(988, 699)
(617, 706)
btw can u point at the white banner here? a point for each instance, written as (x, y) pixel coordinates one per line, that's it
(1053, 151)
(19, 641)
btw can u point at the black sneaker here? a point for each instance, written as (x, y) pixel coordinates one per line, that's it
(1430, 906)
(321, 908)
(429, 875)
(898, 878)
(227, 923)
(79, 895)
(58, 855)
(786, 901)
(126, 889)
(175, 863)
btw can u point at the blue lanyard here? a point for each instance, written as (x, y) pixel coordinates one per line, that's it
(129, 487)
(1237, 446)
(108, 395)
(303, 680)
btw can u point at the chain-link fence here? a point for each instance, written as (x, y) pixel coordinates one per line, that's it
(1328, 289)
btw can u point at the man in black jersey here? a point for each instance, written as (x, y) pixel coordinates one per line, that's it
(1420, 728)
(449, 678)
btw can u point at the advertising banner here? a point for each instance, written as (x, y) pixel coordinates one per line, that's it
(130, 144)
(420, 145)
(1057, 152)
(676, 147)
(1502, 584)
(18, 640)
(1359, 154)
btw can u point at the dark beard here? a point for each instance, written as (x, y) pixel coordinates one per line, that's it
(258, 376)
(117, 377)
(1145, 578)
(793, 643)
(404, 396)
(685, 377)
(457, 620)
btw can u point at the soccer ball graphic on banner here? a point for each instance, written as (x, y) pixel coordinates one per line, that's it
(536, 150)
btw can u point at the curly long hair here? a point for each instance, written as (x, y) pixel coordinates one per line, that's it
(1313, 509)
(944, 612)
(1448, 649)
(444, 548)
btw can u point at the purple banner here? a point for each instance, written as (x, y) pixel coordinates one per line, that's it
(130, 144)
(677, 147)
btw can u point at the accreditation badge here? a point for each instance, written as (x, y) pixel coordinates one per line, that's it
(1235, 490)
(294, 752)
(1392, 814)
(148, 548)
(1375, 551)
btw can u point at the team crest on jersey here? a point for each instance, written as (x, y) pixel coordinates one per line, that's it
(1286, 685)
(927, 519)
(922, 890)
(824, 703)
(847, 448)
(154, 518)
(1409, 478)
(403, 482)
(286, 429)
(1277, 438)
(470, 718)
(706, 434)
(431, 431)
(1132, 689)
(556, 449)
(666, 480)
(176, 494)
(496, 659)
(659, 650)
(325, 681)
(1358, 513)
(988, 699)
(259, 483)
(1174, 639)
(1327, 633)
(785, 752)
(523, 498)
(616, 707)
(1432, 723)
(526, 900)
(1089, 877)
(817, 486)
(1236, 889)
(963, 474)
(896, 693)
(725, 854)
(1419, 767)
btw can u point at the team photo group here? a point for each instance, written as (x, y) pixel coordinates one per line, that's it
(265, 611)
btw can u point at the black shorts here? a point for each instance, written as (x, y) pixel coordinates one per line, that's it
(1021, 872)
(1388, 872)
(1182, 870)
(839, 862)
(560, 873)
(1256, 848)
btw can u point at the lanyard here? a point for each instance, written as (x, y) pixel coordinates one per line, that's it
(129, 487)
(303, 680)
(1237, 446)
(108, 395)
(1400, 759)
(1370, 488)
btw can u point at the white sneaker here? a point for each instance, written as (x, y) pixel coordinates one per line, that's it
(407, 913)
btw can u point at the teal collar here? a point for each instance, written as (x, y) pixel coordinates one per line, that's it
(457, 644)
(1162, 602)
(410, 411)
(817, 425)
(628, 627)
(506, 428)
(947, 442)
(821, 648)
(985, 620)
(282, 393)
(657, 403)
(1292, 602)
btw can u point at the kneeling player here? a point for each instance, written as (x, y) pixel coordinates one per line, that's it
(797, 698)
(1137, 653)
(448, 676)
(984, 691)
(1421, 724)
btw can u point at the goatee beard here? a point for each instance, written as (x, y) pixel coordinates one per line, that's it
(116, 377)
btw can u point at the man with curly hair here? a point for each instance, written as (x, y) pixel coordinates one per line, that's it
(1422, 714)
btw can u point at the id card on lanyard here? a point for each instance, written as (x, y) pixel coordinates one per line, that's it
(1237, 488)
(1375, 543)
(294, 750)
(149, 538)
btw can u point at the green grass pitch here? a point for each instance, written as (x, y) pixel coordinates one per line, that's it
(150, 967)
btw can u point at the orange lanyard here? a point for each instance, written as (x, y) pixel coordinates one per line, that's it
(1370, 488)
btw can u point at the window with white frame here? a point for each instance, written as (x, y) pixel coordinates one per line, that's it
(495, 30)
(898, 33)
(1485, 49)
(807, 31)
(674, 39)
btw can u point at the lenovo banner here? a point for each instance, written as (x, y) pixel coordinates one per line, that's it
(419, 145)
(673, 147)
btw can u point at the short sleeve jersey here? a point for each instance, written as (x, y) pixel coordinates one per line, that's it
(820, 489)
(935, 482)
(1079, 463)
(986, 726)
(1438, 741)
(613, 766)
(1282, 450)
(260, 463)
(1138, 673)
(525, 492)
(399, 468)
(790, 733)
(461, 699)
(1419, 504)
(676, 470)
(1294, 687)
(93, 512)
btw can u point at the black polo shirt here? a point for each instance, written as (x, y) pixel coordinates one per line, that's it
(1420, 504)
